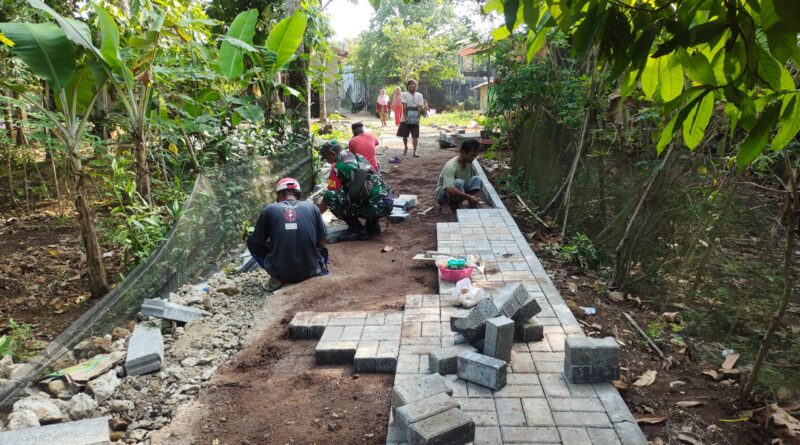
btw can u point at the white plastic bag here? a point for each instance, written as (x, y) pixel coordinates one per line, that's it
(465, 295)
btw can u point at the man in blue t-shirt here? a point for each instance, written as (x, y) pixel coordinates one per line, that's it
(289, 238)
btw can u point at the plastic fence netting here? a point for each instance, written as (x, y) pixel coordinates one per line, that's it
(223, 202)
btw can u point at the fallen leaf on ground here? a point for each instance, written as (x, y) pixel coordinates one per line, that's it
(689, 403)
(649, 419)
(646, 379)
(619, 384)
(387, 249)
(689, 438)
(713, 374)
(676, 383)
(782, 418)
(669, 316)
(730, 361)
(636, 299)
(616, 297)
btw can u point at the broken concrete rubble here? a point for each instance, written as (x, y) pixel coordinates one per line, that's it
(170, 311)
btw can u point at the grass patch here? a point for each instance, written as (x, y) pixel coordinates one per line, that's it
(456, 118)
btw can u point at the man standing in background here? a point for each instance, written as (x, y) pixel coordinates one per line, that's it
(409, 120)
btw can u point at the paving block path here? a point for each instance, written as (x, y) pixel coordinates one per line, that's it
(537, 405)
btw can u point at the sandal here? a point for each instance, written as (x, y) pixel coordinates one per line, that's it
(270, 287)
(395, 160)
(415, 156)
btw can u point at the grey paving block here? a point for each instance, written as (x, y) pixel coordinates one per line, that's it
(499, 338)
(82, 432)
(398, 216)
(606, 436)
(335, 231)
(403, 204)
(509, 412)
(482, 370)
(529, 309)
(170, 311)
(422, 409)
(613, 403)
(364, 359)
(145, 350)
(581, 418)
(340, 352)
(386, 357)
(529, 331)
(473, 325)
(479, 344)
(574, 436)
(591, 360)
(510, 299)
(451, 427)
(445, 360)
(317, 325)
(537, 412)
(530, 434)
(630, 434)
(299, 326)
(418, 388)
(488, 435)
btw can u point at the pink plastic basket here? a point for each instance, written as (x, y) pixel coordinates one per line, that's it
(454, 274)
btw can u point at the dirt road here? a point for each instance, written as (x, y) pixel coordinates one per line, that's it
(272, 392)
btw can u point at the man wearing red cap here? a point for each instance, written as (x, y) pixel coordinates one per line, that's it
(289, 238)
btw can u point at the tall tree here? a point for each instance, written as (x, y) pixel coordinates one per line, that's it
(412, 40)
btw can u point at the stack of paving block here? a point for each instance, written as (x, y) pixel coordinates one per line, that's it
(425, 413)
(400, 208)
(591, 360)
(490, 328)
(371, 341)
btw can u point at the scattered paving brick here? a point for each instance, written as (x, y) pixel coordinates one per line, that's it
(145, 350)
(424, 408)
(417, 389)
(170, 311)
(499, 338)
(591, 360)
(81, 432)
(445, 360)
(452, 427)
(529, 331)
(482, 370)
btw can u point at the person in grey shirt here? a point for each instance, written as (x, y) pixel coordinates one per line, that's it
(289, 238)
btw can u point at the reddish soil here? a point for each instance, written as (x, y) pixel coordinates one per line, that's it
(272, 392)
(680, 378)
(43, 278)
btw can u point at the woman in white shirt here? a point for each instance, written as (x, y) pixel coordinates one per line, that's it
(382, 107)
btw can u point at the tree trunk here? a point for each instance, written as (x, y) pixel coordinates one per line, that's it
(323, 104)
(11, 192)
(19, 128)
(792, 208)
(142, 171)
(98, 284)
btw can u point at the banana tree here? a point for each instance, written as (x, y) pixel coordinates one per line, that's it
(268, 61)
(129, 70)
(47, 52)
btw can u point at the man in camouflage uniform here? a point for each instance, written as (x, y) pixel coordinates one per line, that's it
(347, 199)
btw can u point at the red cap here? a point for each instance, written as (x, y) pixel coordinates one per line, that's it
(287, 184)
